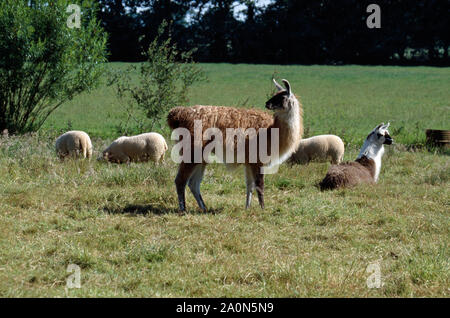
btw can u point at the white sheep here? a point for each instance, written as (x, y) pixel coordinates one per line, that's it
(143, 147)
(74, 143)
(319, 148)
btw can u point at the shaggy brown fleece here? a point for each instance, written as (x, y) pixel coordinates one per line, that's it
(218, 116)
(349, 174)
(223, 117)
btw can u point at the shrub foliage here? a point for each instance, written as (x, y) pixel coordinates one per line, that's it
(43, 62)
(163, 82)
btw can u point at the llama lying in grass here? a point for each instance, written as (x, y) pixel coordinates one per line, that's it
(74, 143)
(319, 148)
(287, 119)
(366, 167)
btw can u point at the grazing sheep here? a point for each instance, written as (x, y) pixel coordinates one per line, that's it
(319, 148)
(74, 143)
(287, 120)
(148, 146)
(366, 168)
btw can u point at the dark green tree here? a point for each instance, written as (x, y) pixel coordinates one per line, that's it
(121, 20)
(213, 30)
(44, 62)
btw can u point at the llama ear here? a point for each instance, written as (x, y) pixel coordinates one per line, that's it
(278, 86)
(386, 126)
(287, 85)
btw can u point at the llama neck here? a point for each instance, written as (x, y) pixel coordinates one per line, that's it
(288, 123)
(375, 152)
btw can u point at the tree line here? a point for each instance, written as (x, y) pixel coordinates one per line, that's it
(46, 59)
(283, 31)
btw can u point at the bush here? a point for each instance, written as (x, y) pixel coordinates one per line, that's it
(43, 62)
(163, 82)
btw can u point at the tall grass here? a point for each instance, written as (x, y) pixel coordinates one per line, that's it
(119, 223)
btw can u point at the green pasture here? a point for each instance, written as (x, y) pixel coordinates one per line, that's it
(119, 223)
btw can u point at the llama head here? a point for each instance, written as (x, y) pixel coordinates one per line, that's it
(380, 135)
(283, 100)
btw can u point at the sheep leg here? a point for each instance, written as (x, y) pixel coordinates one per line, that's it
(62, 155)
(120, 157)
(84, 147)
(194, 184)
(89, 152)
(77, 148)
(250, 183)
(73, 154)
(185, 172)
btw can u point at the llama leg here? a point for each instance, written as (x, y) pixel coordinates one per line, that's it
(185, 171)
(250, 183)
(259, 183)
(194, 184)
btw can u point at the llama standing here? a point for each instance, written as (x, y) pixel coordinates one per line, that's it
(366, 167)
(287, 119)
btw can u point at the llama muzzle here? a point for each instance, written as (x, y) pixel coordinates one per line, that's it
(388, 139)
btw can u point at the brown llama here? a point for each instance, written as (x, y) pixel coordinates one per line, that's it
(286, 121)
(366, 167)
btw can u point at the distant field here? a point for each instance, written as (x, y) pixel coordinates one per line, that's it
(119, 223)
(344, 100)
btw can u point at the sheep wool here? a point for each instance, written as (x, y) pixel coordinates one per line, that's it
(74, 143)
(319, 148)
(144, 147)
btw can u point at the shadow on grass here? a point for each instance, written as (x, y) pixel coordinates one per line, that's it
(139, 209)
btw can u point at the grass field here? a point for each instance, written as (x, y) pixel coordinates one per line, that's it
(120, 223)
(345, 100)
